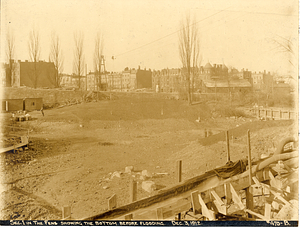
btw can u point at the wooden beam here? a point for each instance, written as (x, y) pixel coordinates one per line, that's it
(256, 214)
(219, 203)
(195, 203)
(267, 211)
(228, 195)
(128, 217)
(159, 213)
(236, 199)
(209, 214)
(170, 210)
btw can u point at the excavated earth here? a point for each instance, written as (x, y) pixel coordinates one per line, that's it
(75, 150)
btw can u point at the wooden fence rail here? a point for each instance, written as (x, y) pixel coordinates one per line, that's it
(274, 114)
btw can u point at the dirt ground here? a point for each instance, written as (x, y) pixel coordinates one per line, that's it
(76, 149)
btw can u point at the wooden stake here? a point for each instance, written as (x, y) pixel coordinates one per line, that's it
(195, 203)
(249, 157)
(271, 114)
(112, 202)
(133, 191)
(66, 212)
(267, 211)
(128, 217)
(209, 214)
(249, 190)
(228, 148)
(179, 170)
(228, 195)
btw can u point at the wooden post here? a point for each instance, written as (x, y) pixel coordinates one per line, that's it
(289, 113)
(271, 114)
(228, 195)
(128, 217)
(112, 202)
(266, 114)
(178, 217)
(280, 114)
(267, 210)
(6, 106)
(179, 170)
(249, 190)
(133, 191)
(227, 144)
(195, 203)
(159, 213)
(66, 212)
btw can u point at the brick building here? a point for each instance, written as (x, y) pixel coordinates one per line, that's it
(30, 74)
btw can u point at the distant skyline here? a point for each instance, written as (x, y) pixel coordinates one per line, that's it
(144, 33)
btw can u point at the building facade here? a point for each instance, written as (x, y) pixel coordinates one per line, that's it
(37, 75)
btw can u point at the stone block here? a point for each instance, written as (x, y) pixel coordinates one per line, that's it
(148, 186)
(129, 169)
(116, 174)
(146, 173)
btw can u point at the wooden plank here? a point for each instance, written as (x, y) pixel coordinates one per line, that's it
(195, 203)
(267, 211)
(146, 215)
(228, 195)
(3, 150)
(256, 214)
(112, 202)
(205, 211)
(128, 217)
(238, 182)
(66, 212)
(175, 210)
(159, 213)
(236, 199)
(249, 199)
(221, 207)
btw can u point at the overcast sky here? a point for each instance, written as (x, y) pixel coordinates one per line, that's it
(145, 32)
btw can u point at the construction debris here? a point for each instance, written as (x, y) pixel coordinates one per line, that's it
(129, 169)
(260, 191)
(148, 186)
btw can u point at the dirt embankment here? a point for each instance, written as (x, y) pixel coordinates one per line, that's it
(76, 149)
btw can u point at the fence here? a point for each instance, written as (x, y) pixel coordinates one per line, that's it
(275, 114)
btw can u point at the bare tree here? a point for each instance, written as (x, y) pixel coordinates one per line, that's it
(288, 46)
(56, 56)
(189, 51)
(78, 64)
(98, 58)
(10, 52)
(34, 53)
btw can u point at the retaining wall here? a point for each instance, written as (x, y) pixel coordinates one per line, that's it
(50, 96)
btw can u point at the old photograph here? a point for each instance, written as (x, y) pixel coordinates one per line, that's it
(147, 112)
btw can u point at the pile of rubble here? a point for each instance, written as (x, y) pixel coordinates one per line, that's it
(144, 177)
